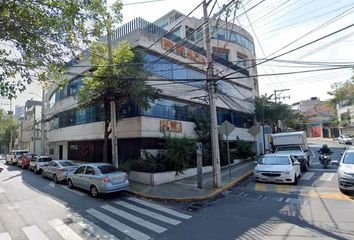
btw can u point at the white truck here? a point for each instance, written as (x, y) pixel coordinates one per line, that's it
(295, 144)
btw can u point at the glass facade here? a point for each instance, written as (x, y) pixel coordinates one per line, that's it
(70, 90)
(231, 36)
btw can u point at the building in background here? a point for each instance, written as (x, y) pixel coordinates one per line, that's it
(29, 136)
(319, 117)
(77, 134)
(19, 111)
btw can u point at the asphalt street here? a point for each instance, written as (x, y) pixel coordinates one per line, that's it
(35, 208)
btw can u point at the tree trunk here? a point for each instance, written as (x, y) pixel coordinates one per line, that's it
(106, 132)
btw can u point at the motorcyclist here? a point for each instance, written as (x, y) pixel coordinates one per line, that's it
(324, 151)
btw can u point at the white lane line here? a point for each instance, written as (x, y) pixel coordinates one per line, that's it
(148, 213)
(160, 208)
(5, 236)
(307, 176)
(131, 232)
(327, 177)
(34, 233)
(66, 232)
(92, 228)
(2, 190)
(72, 190)
(281, 199)
(52, 184)
(134, 219)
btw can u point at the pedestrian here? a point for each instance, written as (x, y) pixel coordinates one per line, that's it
(1, 169)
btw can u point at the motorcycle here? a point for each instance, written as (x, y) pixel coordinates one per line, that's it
(325, 159)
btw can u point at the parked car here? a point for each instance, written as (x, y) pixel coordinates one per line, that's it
(98, 178)
(346, 171)
(278, 168)
(25, 159)
(13, 156)
(37, 163)
(2, 156)
(345, 139)
(58, 169)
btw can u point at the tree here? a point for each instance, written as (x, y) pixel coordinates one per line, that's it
(7, 124)
(277, 111)
(39, 37)
(123, 82)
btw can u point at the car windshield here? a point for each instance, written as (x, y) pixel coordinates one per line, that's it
(275, 160)
(349, 158)
(46, 159)
(289, 148)
(67, 164)
(105, 169)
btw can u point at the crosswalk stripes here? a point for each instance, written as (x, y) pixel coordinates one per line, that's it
(307, 176)
(134, 219)
(34, 233)
(90, 224)
(65, 231)
(160, 208)
(327, 177)
(148, 213)
(92, 228)
(5, 236)
(131, 232)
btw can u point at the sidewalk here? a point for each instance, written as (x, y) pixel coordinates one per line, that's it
(186, 189)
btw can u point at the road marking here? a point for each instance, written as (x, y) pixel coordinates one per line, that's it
(66, 232)
(243, 194)
(327, 177)
(261, 187)
(322, 170)
(92, 228)
(160, 208)
(34, 233)
(281, 199)
(262, 197)
(5, 236)
(2, 190)
(52, 184)
(72, 190)
(134, 219)
(12, 206)
(284, 188)
(131, 232)
(307, 176)
(148, 213)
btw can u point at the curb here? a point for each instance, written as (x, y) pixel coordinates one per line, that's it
(194, 199)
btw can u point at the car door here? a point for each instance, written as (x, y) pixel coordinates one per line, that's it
(78, 176)
(89, 177)
(49, 169)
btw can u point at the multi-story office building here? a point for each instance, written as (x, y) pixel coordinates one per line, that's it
(173, 57)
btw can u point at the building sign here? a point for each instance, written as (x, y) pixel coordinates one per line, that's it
(172, 126)
(181, 50)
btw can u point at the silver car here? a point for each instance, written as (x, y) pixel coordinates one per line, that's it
(37, 163)
(346, 172)
(98, 178)
(58, 169)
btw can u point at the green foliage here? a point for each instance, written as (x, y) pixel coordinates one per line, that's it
(178, 155)
(342, 92)
(7, 124)
(278, 111)
(42, 35)
(243, 150)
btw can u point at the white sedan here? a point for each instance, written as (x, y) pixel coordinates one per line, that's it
(345, 139)
(277, 168)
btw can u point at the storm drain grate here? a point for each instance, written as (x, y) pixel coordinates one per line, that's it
(195, 207)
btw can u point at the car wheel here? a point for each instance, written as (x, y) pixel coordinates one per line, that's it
(344, 191)
(55, 179)
(70, 183)
(93, 191)
(296, 181)
(40, 171)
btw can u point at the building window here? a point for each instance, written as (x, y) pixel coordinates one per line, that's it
(221, 53)
(190, 34)
(241, 60)
(177, 31)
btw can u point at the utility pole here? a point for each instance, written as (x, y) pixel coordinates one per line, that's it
(112, 102)
(34, 128)
(264, 147)
(10, 145)
(280, 91)
(212, 102)
(43, 124)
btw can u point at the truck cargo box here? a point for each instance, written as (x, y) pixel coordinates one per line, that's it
(290, 138)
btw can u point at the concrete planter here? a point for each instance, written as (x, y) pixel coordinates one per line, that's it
(163, 177)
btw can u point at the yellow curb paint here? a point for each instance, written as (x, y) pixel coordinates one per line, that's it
(194, 199)
(261, 187)
(284, 188)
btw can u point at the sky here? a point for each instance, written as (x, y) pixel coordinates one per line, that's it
(273, 25)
